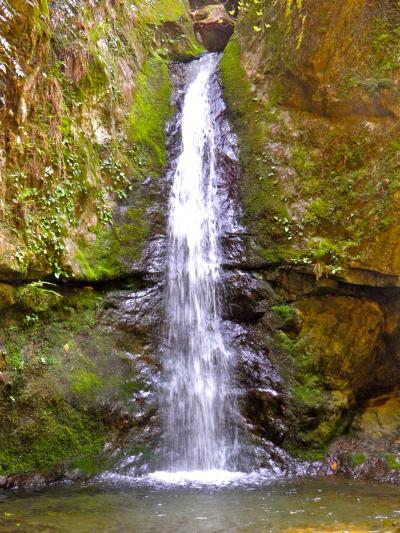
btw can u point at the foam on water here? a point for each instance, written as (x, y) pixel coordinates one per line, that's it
(197, 479)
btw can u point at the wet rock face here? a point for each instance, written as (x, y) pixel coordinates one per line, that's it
(213, 27)
(332, 90)
(44, 55)
(341, 355)
(83, 373)
(264, 397)
(381, 417)
(314, 360)
(246, 296)
(316, 55)
(332, 335)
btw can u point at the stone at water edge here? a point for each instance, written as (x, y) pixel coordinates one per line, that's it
(213, 27)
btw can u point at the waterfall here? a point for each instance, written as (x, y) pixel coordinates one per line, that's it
(198, 402)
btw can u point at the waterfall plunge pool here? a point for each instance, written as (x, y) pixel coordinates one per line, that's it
(276, 505)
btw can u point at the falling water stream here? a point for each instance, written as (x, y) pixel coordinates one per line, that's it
(197, 401)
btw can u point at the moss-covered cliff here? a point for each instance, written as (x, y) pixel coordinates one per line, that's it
(84, 100)
(76, 374)
(322, 90)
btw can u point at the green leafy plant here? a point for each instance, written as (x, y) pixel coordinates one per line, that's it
(37, 296)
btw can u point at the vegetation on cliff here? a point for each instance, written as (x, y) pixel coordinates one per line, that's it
(324, 132)
(312, 91)
(85, 100)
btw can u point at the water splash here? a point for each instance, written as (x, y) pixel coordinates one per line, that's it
(198, 402)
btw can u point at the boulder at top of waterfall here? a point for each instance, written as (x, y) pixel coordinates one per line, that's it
(213, 27)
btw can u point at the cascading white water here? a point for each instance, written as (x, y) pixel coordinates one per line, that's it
(198, 402)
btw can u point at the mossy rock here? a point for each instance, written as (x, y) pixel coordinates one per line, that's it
(392, 461)
(265, 213)
(213, 26)
(381, 417)
(324, 364)
(149, 114)
(108, 97)
(38, 296)
(52, 439)
(63, 374)
(7, 296)
(341, 335)
(115, 249)
(357, 459)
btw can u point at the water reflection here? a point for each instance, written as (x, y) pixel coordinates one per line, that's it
(304, 505)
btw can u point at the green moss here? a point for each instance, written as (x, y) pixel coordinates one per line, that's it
(392, 461)
(308, 392)
(305, 382)
(302, 161)
(85, 383)
(99, 260)
(41, 18)
(80, 304)
(265, 211)
(313, 425)
(149, 114)
(385, 45)
(186, 51)
(357, 459)
(173, 26)
(38, 296)
(7, 296)
(283, 311)
(162, 11)
(59, 382)
(318, 454)
(55, 437)
(286, 343)
(14, 355)
(115, 248)
(133, 232)
(319, 209)
(96, 82)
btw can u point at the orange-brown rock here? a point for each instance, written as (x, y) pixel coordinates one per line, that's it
(213, 27)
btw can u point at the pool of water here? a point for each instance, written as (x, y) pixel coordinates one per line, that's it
(159, 506)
